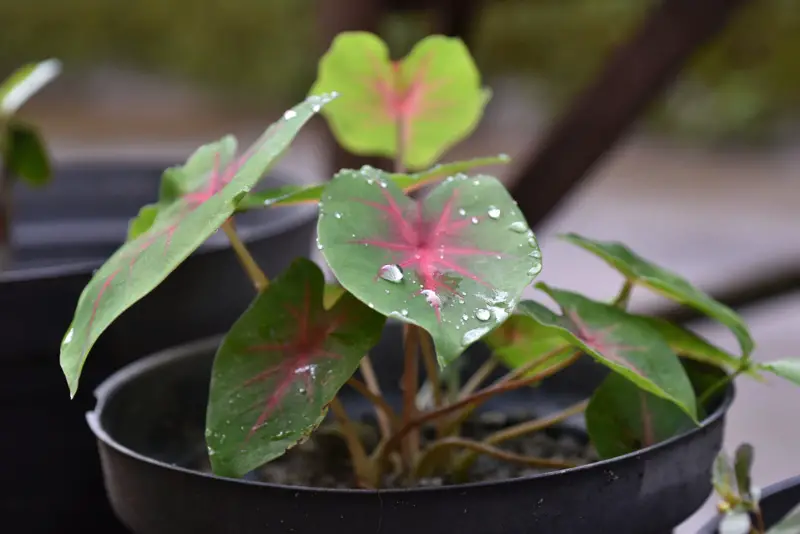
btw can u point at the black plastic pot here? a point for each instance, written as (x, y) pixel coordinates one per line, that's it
(777, 500)
(50, 470)
(149, 423)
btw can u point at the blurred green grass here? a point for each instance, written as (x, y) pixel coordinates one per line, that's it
(257, 51)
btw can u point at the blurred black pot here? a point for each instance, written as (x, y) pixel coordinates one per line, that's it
(777, 500)
(62, 234)
(150, 427)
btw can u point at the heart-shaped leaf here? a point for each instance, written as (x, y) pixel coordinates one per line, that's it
(621, 341)
(521, 340)
(623, 418)
(178, 229)
(26, 82)
(433, 98)
(667, 283)
(280, 366)
(788, 369)
(789, 524)
(26, 156)
(290, 195)
(454, 263)
(686, 343)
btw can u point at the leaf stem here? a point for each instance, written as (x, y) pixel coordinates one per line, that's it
(431, 366)
(719, 384)
(480, 375)
(410, 445)
(382, 408)
(463, 463)
(427, 461)
(372, 391)
(624, 296)
(362, 465)
(254, 272)
(473, 401)
(515, 374)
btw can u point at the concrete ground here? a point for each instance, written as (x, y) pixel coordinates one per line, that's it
(712, 216)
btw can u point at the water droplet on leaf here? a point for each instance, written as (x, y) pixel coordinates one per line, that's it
(391, 273)
(535, 269)
(337, 215)
(483, 315)
(518, 227)
(290, 114)
(462, 211)
(471, 336)
(494, 212)
(474, 220)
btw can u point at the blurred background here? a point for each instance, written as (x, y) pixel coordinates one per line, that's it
(708, 183)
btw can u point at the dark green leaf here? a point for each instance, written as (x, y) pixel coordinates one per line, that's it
(619, 340)
(26, 82)
(666, 283)
(788, 369)
(742, 466)
(454, 263)
(623, 418)
(290, 195)
(180, 228)
(434, 94)
(789, 524)
(26, 156)
(280, 366)
(521, 340)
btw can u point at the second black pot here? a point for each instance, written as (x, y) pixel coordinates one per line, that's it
(150, 425)
(50, 474)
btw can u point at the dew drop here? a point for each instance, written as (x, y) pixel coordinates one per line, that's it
(483, 315)
(464, 317)
(535, 253)
(290, 114)
(337, 215)
(462, 211)
(370, 181)
(532, 241)
(518, 227)
(474, 220)
(535, 269)
(315, 108)
(494, 212)
(471, 336)
(432, 298)
(391, 273)
(383, 184)
(404, 312)
(476, 182)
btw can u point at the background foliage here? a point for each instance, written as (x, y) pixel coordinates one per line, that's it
(741, 87)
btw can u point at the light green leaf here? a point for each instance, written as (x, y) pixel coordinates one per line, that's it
(521, 340)
(26, 156)
(434, 95)
(788, 369)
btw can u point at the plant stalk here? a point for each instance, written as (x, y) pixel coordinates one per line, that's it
(431, 366)
(515, 374)
(480, 375)
(473, 401)
(528, 427)
(410, 443)
(254, 272)
(624, 296)
(362, 465)
(382, 410)
(426, 464)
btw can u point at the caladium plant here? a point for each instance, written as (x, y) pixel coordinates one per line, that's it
(451, 265)
(22, 149)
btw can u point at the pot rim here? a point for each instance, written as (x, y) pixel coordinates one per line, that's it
(295, 216)
(111, 384)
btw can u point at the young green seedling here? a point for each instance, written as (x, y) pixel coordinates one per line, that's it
(22, 149)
